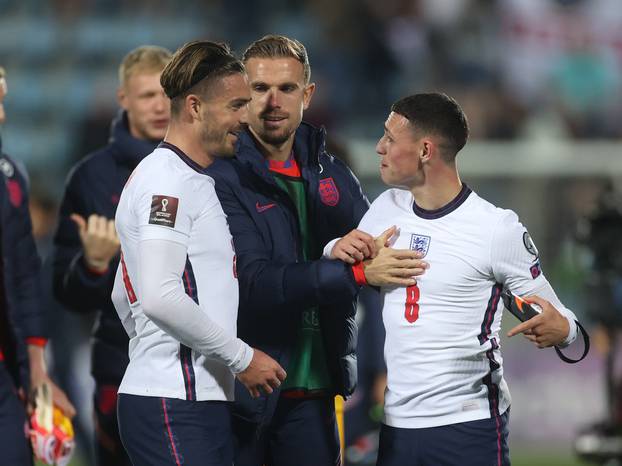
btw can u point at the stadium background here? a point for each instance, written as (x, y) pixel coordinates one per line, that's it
(540, 81)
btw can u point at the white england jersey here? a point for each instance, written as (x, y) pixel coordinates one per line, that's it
(168, 197)
(442, 344)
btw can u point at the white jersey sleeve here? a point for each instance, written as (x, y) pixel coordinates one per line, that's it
(166, 303)
(166, 212)
(516, 264)
(328, 249)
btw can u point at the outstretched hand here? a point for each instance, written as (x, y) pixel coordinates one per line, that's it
(550, 328)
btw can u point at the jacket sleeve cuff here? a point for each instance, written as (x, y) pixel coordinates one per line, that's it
(359, 274)
(85, 274)
(95, 272)
(37, 341)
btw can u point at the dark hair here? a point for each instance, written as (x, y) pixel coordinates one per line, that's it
(275, 46)
(194, 67)
(439, 115)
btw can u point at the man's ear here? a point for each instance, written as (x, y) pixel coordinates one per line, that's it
(122, 98)
(192, 105)
(307, 94)
(426, 150)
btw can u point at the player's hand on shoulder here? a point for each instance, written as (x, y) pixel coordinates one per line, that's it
(263, 374)
(354, 247)
(99, 240)
(550, 328)
(393, 267)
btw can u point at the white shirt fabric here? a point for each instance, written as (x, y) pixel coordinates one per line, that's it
(176, 291)
(445, 365)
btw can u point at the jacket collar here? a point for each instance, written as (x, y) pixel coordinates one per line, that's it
(309, 142)
(128, 150)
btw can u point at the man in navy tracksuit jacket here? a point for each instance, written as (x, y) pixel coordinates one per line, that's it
(23, 332)
(276, 284)
(285, 197)
(21, 319)
(94, 187)
(85, 256)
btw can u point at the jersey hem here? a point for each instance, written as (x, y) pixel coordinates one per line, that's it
(205, 395)
(438, 421)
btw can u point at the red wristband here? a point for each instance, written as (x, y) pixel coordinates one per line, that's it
(95, 271)
(359, 274)
(36, 341)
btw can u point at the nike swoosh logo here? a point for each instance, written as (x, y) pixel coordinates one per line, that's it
(263, 208)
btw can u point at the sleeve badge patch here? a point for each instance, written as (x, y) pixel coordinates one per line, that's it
(163, 211)
(6, 168)
(529, 245)
(535, 270)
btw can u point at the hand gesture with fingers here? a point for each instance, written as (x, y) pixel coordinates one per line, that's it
(99, 240)
(393, 267)
(550, 328)
(354, 247)
(262, 374)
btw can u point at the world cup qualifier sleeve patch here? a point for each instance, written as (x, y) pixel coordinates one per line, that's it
(163, 211)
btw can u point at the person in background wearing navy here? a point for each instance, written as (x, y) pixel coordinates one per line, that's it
(285, 197)
(86, 246)
(22, 323)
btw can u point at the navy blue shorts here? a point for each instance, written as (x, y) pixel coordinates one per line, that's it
(14, 442)
(302, 432)
(475, 443)
(167, 431)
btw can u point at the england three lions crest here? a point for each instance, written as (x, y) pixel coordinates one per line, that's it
(329, 194)
(420, 243)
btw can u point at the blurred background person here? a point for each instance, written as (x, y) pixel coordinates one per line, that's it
(68, 349)
(601, 233)
(364, 409)
(23, 332)
(86, 246)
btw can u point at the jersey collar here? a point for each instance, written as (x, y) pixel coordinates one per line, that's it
(180, 153)
(446, 209)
